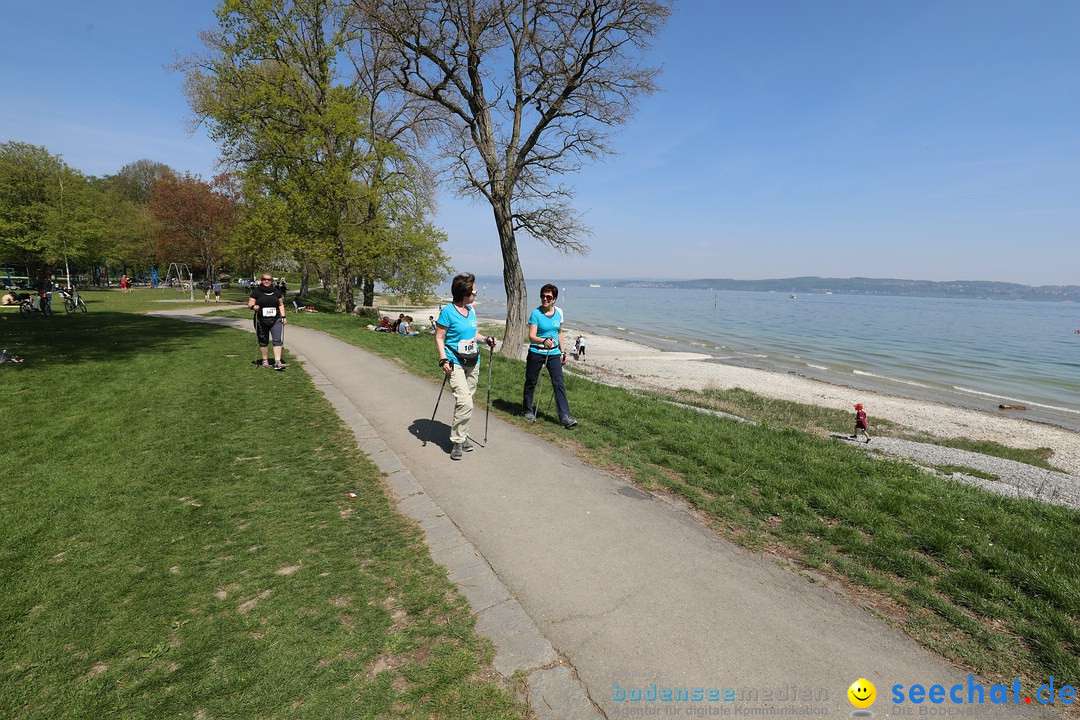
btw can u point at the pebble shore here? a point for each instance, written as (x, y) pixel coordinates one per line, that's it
(627, 364)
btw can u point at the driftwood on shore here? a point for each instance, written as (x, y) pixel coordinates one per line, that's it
(1003, 406)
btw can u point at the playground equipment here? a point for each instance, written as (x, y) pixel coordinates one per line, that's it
(183, 277)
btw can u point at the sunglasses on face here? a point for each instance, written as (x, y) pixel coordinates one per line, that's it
(267, 279)
(547, 297)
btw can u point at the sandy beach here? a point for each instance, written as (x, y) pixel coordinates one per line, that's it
(621, 362)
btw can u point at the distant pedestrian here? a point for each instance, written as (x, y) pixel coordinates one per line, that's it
(860, 423)
(124, 283)
(579, 347)
(217, 291)
(207, 288)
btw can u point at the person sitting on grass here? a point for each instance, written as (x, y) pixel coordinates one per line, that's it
(9, 299)
(405, 327)
(6, 357)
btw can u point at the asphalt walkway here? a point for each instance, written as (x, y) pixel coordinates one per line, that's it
(596, 590)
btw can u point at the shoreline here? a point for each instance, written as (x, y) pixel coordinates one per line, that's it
(627, 363)
(919, 391)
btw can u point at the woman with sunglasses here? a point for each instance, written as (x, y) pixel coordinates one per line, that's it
(269, 306)
(456, 339)
(546, 350)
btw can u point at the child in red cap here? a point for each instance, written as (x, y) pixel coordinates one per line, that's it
(860, 422)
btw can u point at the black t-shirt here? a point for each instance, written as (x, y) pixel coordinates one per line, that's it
(267, 297)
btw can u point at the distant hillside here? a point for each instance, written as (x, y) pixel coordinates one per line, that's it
(974, 289)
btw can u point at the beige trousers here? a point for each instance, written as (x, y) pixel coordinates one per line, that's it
(463, 384)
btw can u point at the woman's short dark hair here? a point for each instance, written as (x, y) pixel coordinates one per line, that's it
(554, 290)
(462, 285)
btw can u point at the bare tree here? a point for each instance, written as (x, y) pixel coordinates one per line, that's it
(526, 90)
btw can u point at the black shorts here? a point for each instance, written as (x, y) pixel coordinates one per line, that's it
(267, 332)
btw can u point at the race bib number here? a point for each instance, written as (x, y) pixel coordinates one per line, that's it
(466, 347)
(269, 312)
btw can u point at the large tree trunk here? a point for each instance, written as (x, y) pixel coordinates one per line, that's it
(345, 301)
(369, 291)
(514, 282)
(305, 277)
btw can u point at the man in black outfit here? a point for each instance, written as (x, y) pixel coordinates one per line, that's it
(269, 306)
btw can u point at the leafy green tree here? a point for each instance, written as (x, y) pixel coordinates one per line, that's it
(131, 227)
(399, 187)
(135, 181)
(29, 195)
(50, 215)
(276, 91)
(271, 94)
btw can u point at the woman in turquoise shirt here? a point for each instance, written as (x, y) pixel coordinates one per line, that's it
(546, 350)
(456, 338)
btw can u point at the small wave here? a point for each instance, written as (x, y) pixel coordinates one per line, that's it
(1014, 400)
(886, 377)
(816, 367)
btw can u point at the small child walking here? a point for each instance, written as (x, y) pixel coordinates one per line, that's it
(860, 423)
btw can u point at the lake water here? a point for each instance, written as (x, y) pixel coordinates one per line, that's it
(971, 353)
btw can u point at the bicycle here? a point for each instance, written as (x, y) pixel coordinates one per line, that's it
(29, 305)
(72, 300)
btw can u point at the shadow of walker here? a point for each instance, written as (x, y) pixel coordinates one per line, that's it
(431, 432)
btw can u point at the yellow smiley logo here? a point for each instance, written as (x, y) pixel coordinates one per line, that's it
(862, 693)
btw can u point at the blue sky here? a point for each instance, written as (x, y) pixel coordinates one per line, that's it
(929, 139)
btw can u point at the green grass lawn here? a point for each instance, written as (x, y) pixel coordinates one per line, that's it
(987, 581)
(178, 540)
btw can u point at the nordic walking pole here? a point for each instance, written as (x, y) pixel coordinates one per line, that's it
(255, 327)
(487, 413)
(537, 394)
(431, 422)
(282, 339)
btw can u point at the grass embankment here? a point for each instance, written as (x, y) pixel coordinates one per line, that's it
(178, 541)
(825, 421)
(987, 581)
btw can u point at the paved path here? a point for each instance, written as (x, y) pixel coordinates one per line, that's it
(626, 589)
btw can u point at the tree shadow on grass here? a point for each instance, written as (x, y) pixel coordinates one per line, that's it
(98, 337)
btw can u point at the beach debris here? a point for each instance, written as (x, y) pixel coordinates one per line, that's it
(1004, 406)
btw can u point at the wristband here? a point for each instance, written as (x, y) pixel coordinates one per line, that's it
(444, 361)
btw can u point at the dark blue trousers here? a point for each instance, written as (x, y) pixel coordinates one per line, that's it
(533, 363)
